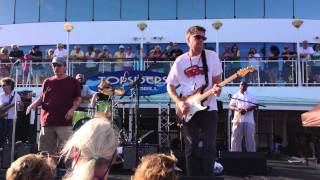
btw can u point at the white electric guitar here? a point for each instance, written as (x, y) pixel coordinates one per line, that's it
(194, 101)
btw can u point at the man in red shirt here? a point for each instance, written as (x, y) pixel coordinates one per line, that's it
(60, 97)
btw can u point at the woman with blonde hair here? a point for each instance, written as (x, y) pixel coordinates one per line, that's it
(156, 167)
(93, 149)
(32, 166)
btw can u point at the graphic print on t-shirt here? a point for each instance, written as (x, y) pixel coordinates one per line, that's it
(193, 71)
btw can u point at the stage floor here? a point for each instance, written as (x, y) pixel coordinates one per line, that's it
(278, 169)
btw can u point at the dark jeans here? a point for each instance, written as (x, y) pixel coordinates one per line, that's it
(5, 131)
(200, 157)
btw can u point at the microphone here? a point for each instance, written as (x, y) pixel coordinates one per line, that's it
(229, 96)
(17, 62)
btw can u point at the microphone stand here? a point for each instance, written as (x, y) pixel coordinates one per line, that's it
(257, 115)
(13, 137)
(136, 92)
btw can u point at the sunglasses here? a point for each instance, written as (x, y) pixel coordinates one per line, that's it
(56, 65)
(4, 85)
(199, 37)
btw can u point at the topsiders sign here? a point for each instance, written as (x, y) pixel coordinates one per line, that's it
(151, 83)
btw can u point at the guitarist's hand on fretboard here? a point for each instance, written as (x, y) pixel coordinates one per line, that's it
(217, 90)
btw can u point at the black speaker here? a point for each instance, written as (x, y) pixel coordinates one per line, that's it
(129, 154)
(243, 163)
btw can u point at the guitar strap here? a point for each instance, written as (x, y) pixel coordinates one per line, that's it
(205, 70)
(11, 98)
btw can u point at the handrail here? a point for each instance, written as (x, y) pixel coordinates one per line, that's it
(269, 73)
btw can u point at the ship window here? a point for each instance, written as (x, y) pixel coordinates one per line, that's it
(27, 11)
(52, 10)
(6, 11)
(279, 9)
(219, 9)
(249, 9)
(191, 9)
(307, 9)
(162, 9)
(134, 10)
(106, 10)
(79, 10)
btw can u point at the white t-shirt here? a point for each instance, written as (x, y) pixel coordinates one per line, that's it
(248, 116)
(309, 51)
(188, 73)
(5, 99)
(62, 53)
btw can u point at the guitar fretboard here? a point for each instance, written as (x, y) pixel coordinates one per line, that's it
(221, 84)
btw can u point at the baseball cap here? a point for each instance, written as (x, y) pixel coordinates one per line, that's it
(59, 60)
(121, 47)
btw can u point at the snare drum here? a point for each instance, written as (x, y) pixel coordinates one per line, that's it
(79, 118)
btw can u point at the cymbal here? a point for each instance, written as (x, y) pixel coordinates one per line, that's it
(113, 91)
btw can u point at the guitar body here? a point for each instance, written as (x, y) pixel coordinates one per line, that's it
(236, 118)
(194, 103)
(4, 108)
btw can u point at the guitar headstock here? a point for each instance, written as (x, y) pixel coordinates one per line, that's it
(242, 72)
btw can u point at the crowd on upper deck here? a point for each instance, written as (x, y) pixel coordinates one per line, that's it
(276, 63)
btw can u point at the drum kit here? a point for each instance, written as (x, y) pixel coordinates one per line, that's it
(105, 109)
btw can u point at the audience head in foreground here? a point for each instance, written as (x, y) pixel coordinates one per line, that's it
(32, 167)
(156, 167)
(93, 149)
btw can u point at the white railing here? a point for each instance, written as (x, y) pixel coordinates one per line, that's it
(268, 73)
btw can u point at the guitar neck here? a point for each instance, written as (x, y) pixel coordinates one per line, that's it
(221, 84)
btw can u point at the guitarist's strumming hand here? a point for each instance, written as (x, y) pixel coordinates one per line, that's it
(183, 106)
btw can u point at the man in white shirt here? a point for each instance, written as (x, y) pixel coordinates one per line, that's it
(243, 121)
(306, 52)
(60, 51)
(197, 70)
(86, 93)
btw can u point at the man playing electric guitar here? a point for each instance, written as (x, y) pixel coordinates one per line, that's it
(195, 71)
(7, 111)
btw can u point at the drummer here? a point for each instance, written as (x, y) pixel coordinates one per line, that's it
(102, 100)
(86, 93)
(104, 96)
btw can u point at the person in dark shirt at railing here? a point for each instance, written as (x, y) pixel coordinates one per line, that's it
(315, 69)
(35, 55)
(273, 66)
(288, 71)
(175, 52)
(235, 66)
(16, 56)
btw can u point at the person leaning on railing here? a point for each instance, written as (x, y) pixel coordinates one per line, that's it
(5, 62)
(315, 69)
